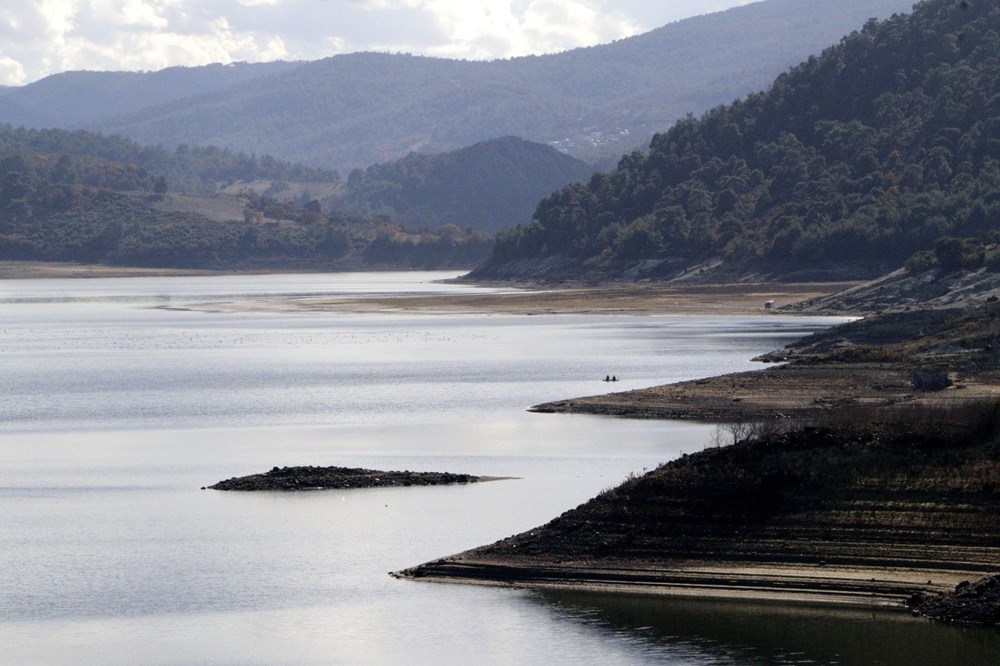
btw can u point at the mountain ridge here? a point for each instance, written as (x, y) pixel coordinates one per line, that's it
(355, 110)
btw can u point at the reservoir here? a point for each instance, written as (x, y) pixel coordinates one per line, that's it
(120, 398)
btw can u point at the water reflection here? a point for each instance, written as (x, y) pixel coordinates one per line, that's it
(678, 630)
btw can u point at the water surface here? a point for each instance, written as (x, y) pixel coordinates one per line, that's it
(116, 411)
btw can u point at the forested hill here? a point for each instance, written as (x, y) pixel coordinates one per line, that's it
(79, 197)
(885, 145)
(487, 186)
(187, 169)
(361, 109)
(74, 99)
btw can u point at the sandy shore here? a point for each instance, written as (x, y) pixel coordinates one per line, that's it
(634, 299)
(631, 298)
(35, 270)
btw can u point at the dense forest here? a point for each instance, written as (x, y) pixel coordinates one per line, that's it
(195, 169)
(354, 110)
(82, 208)
(884, 148)
(487, 186)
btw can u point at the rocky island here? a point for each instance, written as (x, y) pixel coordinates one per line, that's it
(318, 478)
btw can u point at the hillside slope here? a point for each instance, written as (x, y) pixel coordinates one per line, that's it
(849, 164)
(359, 109)
(74, 99)
(78, 207)
(487, 186)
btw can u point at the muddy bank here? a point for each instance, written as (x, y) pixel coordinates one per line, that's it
(316, 478)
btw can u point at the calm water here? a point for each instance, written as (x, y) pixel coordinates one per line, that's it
(115, 410)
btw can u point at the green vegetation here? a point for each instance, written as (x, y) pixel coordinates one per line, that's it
(486, 186)
(885, 146)
(61, 207)
(185, 169)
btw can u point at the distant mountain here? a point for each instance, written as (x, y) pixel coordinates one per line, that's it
(356, 110)
(75, 99)
(883, 147)
(488, 186)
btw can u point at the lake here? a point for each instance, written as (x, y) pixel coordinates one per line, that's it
(122, 397)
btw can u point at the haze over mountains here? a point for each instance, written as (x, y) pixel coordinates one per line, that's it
(356, 110)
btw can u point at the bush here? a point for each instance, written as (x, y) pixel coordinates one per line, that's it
(959, 253)
(921, 262)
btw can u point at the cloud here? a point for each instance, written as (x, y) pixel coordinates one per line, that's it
(501, 28)
(11, 71)
(41, 37)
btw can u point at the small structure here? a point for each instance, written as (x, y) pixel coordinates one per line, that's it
(769, 305)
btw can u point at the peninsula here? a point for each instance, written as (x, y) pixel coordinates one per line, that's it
(864, 471)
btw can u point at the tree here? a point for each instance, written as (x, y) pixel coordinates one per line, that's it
(160, 185)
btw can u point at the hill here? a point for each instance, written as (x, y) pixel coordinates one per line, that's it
(198, 170)
(883, 146)
(80, 207)
(487, 186)
(360, 109)
(74, 99)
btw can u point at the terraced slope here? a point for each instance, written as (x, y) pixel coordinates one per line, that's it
(869, 514)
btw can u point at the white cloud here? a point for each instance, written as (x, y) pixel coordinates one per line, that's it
(42, 37)
(11, 71)
(501, 28)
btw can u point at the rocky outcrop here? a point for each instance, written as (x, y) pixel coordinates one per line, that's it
(314, 478)
(901, 291)
(970, 603)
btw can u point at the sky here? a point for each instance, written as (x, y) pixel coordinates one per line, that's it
(42, 37)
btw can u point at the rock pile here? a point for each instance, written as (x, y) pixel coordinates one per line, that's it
(313, 478)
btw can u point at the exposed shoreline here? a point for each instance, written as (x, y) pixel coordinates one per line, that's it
(631, 299)
(794, 391)
(638, 298)
(893, 514)
(44, 270)
(859, 587)
(856, 513)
